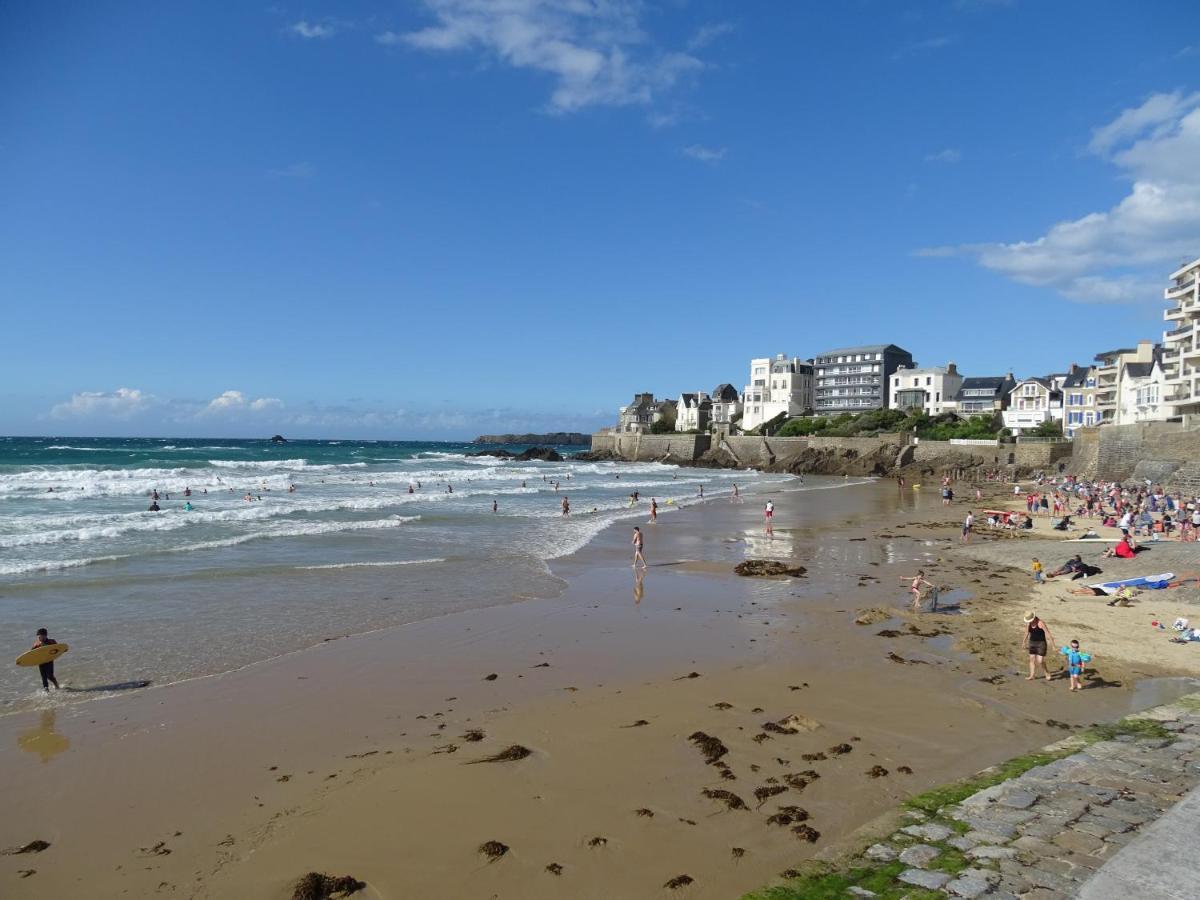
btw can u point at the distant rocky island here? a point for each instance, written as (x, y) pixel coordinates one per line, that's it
(568, 438)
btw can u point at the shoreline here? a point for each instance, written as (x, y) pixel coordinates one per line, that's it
(627, 659)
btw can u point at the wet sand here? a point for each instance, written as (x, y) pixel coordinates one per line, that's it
(352, 758)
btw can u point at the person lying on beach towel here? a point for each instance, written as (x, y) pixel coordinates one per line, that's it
(1076, 568)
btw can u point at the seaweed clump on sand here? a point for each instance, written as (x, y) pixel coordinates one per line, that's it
(554, 869)
(473, 735)
(679, 881)
(787, 815)
(767, 568)
(712, 748)
(840, 749)
(645, 813)
(31, 847)
(319, 886)
(727, 797)
(737, 852)
(730, 799)
(767, 791)
(806, 833)
(800, 780)
(493, 850)
(508, 754)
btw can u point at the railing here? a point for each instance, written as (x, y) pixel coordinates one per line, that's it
(1184, 286)
(975, 442)
(1021, 439)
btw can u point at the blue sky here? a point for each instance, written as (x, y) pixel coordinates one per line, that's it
(429, 218)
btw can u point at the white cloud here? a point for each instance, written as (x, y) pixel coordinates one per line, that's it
(706, 34)
(295, 170)
(236, 401)
(121, 404)
(705, 154)
(924, 46)
(310, 30)
(1121, 254)
(595, 50)
(949, 155)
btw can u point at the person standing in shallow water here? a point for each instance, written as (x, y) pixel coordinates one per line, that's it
(46, 669)
(1037, 639)
(638, 545)
(653, 510)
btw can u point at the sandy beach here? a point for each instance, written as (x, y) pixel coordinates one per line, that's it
(367, 755)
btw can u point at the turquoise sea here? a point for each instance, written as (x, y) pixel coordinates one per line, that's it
(284, 544)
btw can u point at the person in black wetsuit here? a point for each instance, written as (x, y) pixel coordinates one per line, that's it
(46, 669)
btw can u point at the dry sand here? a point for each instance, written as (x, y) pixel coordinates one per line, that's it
(356, 757)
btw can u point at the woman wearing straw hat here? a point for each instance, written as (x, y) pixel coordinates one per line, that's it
(1037, 639)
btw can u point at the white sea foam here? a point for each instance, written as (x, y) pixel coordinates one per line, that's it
(50, 565)
(374, 565)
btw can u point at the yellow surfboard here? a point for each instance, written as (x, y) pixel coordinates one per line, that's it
(44, 654)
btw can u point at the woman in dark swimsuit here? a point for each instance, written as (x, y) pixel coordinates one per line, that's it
(1037, 639)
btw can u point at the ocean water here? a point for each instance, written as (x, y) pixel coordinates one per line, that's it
(176, 594)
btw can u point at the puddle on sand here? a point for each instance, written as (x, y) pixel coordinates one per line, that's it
(1157, 691)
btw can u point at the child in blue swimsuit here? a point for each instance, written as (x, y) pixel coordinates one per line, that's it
(1075, 661)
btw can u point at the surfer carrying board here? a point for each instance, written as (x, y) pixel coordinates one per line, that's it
(46, 669)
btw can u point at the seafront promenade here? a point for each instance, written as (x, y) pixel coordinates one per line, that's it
(1110, 813)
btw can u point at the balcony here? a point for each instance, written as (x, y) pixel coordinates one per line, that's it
(1186, 285)
(1181, 331)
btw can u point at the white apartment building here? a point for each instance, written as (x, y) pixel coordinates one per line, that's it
(1181, 346)
(1034, 401)
(1142, 393)
(931, 389)
(1108, 378)
(777, 385)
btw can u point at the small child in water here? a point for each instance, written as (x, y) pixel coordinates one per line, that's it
(1075, 661)
(1036, 568)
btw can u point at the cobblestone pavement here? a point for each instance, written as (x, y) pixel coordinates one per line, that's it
(1044, 834)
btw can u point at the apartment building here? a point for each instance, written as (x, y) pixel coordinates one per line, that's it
(1143, 391)
(726, 406)
(1181, 345)
(932, 390)
(694, 412)
(1079, 399)
(782, 384)
(856, 379)
(1108, 378)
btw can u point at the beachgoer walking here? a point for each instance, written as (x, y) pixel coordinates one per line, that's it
(638, 545)
(701, 492)
(1075, 661)
(46, 669)
(769, 511)
(566, 506)
(736, 496)
(1037, 639)
(1037, 570)
(494, 505)
(915, 587)
(968, 524)
(653, 510)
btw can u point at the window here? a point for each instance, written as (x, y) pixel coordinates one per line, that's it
(928, 380)
(1091, 382)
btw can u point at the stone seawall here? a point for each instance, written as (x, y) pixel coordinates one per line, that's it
(1163, 452)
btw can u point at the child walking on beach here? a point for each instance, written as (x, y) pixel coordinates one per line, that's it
(1075, 661)
(1036, 568)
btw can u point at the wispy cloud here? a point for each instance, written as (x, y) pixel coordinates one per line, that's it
(595, 50)
(949, 155)
(295, 170)
(1119, 255)
(706, 34)
(1189, 50)
(123, 403)
(236, 411)
(312, 30)
(925, 46)
(705, 154)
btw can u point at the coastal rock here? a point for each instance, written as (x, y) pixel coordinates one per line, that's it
(598, 456)
(278, 439)
(545, 454)
(767, 567)
(557, 438)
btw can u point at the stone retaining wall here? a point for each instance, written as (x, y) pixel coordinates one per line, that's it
(1166, 452)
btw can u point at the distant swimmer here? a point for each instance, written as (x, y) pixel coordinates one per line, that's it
(410, 488)
(187, 492)
(154, 495)
(495, 506)
(522, 484)
(291, 489)
(449, 489)
(653, 510)
(154, 507)
(46, 669)
(736, 496)
(187, 507)
(701, 492)
(566, 506)
(638, 546)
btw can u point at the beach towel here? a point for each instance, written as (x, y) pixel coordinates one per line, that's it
(1146, 582)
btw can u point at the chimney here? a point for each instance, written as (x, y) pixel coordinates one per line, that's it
(951, 369)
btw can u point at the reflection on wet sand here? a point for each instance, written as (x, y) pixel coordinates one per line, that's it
(42, 740)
